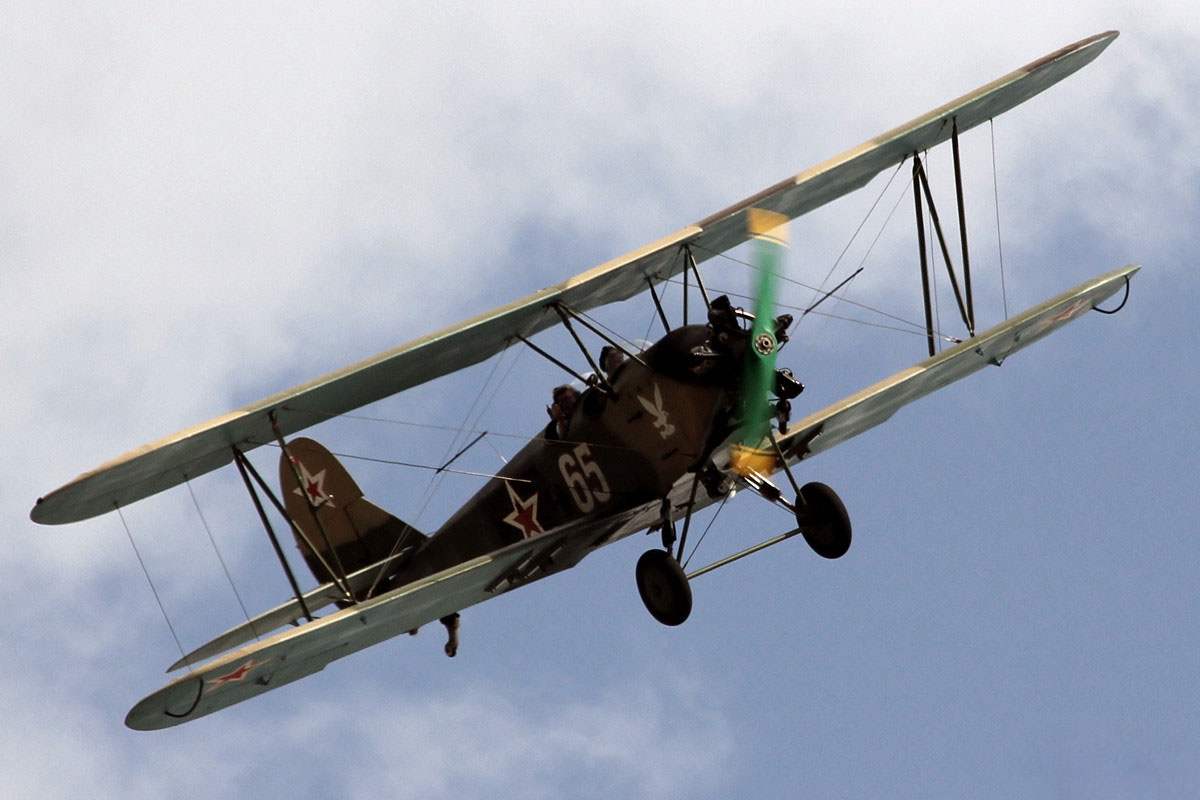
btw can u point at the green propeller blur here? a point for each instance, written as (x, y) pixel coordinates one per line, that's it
(769, 232)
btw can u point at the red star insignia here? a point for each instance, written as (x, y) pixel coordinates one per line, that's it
(311, 486)
(237, 676)
(524, 513)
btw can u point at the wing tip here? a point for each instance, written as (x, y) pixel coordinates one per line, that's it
(1098, 41)
(43, 511)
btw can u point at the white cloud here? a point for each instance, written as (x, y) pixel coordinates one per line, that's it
(200, 206)
(631, 740)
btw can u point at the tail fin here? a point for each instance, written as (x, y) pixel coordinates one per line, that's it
(359, 532)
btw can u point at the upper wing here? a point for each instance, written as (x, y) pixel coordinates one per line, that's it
(168, 462)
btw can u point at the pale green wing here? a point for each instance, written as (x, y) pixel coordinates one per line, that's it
(292, 654)
(867, 408)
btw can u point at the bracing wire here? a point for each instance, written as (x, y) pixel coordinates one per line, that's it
(187, 482)
(650, 325)
(887, 219)
(919, 328)
(933, 256)
(996, 204)
(856, 321)
(412, 465)
(633, 346)
(499, 455)
(854, 235)
(803, 285)
(707, 527)
(435, 482)
(153, 589)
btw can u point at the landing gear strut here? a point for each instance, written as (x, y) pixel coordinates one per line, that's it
(664, 588)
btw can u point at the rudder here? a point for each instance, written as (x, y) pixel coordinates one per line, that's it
(360, 532)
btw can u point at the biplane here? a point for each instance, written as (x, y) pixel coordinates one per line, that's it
(651, 436)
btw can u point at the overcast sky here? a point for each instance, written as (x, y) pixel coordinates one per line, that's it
(202, 206)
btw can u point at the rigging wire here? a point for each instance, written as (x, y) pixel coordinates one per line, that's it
(429, 467)
(633, 346)
(920, 329)
(933, 251)
(649, 325)
(523, 437)
(499, 455)
(187, 482)
(861, 265)
(408, 423)
(436, 481)
(391, 462)
(996, 205)
(707, 527)
(888, 219)
(854, 235)
(801, 284)
(153, 589)
(828, 315)
(916, 329)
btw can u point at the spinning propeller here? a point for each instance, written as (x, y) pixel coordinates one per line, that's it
(753, 452)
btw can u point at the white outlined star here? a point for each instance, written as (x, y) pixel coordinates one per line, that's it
(312, 486)
(524, 513)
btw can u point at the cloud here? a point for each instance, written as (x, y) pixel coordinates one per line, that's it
(204, 205)
(631, 740)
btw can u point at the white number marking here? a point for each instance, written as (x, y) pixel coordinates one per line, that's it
(584, 478)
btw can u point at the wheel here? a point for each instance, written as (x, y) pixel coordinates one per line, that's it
(823, 521)
(664, 588)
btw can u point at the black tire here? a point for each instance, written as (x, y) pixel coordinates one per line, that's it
(664, 588)
(823, 521)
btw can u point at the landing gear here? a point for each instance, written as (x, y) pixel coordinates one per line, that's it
(823, 520)
(664, 587)
(666, 525)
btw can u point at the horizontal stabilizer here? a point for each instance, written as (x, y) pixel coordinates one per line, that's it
(208, 446)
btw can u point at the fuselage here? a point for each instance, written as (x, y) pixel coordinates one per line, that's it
(619, 450)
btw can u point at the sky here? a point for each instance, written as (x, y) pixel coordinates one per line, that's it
(202, 205)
